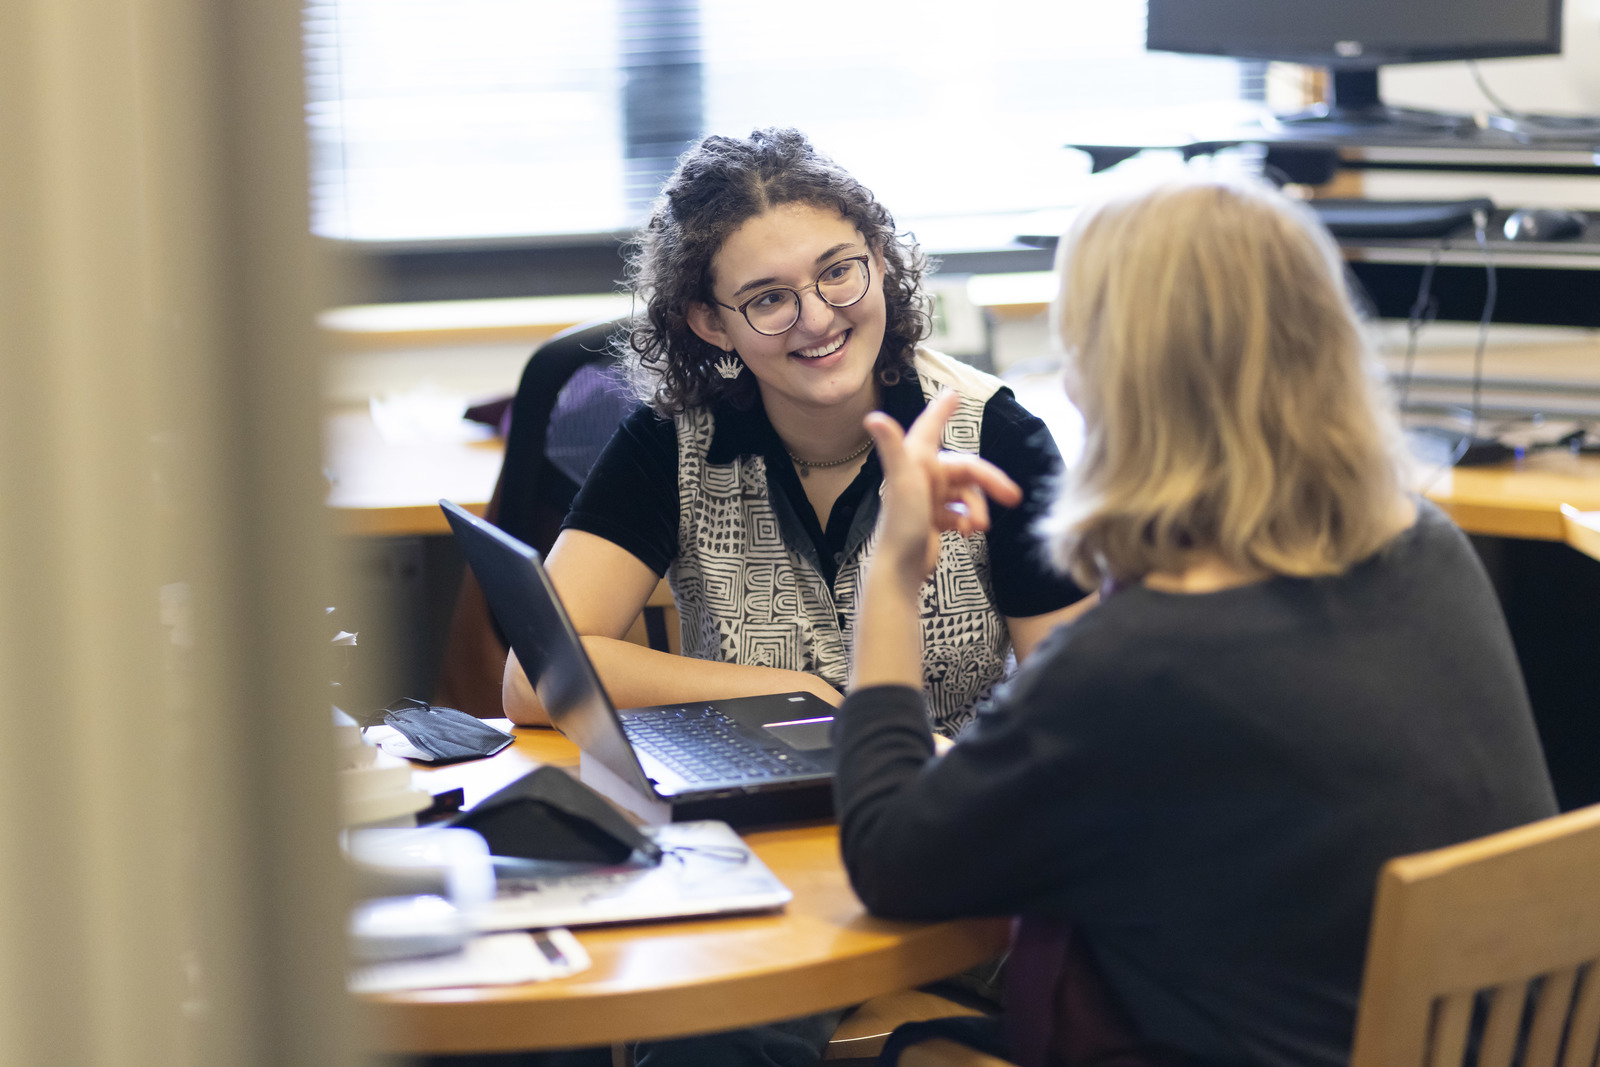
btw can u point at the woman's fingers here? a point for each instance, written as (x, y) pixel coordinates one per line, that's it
(958, 485)
(928, 429)
(963, 488)
(977, 508)
(889, 439)
(963, 470)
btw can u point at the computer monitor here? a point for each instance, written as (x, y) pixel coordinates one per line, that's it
(1352, 38)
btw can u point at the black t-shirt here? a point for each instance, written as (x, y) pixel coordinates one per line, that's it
(631, 496)
(1206, 786)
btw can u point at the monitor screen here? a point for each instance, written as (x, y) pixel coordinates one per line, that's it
(1356, 33)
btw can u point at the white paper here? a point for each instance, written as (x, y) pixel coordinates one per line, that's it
(493, 959)
(425, 414)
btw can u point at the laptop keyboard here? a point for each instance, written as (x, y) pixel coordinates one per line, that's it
(706, 746)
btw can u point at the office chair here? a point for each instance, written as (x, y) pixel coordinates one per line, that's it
(566, 407)
(1482, 954)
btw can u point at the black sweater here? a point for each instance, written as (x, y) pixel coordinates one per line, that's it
(1208, 784)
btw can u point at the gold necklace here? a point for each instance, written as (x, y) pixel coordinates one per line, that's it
(805, 465)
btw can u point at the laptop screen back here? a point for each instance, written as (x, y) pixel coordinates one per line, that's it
(551, 653)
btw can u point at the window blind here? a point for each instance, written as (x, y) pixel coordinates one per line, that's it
(487, 119)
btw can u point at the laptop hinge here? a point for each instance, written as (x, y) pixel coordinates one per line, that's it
(603, 780)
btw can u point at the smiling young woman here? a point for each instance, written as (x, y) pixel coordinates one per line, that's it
(779, 308)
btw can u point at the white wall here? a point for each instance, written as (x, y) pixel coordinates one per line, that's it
(1566, 83)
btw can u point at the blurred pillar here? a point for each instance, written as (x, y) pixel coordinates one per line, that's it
(169, 880)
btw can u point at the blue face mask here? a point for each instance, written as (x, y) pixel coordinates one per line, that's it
(443, 735)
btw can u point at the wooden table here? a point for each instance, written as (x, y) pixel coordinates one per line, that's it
(672, 979)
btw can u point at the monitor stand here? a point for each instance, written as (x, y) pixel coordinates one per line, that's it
(1354, 108)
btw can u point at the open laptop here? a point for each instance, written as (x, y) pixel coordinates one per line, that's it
(743, 760)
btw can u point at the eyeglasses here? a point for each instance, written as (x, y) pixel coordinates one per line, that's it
(774, 311)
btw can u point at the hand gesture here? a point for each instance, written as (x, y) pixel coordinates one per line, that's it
(927, 491)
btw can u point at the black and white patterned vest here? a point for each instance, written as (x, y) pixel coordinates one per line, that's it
(744, 595)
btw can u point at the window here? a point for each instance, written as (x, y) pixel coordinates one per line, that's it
(492, 119)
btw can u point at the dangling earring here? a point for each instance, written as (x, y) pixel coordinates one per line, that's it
(730, 366)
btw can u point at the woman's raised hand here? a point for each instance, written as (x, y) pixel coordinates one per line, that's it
(927, 490)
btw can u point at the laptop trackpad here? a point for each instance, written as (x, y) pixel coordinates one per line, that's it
(806, 736)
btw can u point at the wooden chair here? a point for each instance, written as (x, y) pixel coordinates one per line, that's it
(940, 1052)
(862, 1033)
(1512, 919)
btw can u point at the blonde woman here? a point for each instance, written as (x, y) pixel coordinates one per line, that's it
(1295, 671)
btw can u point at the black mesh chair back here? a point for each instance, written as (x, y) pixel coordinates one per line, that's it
(568, 403)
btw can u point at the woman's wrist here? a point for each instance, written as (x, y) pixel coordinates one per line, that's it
(889, 635)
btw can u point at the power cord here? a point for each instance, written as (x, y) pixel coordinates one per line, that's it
(1456, 453)
(1423, 311)
(720, 853)
(1480, 227)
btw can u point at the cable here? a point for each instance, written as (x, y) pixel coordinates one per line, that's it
(1423, 311)
(1575, 124)
(1455, 457)
(721, 853)
(1480, 226)
(1489, 94)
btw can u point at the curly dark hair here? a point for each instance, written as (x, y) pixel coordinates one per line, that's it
(718, 186)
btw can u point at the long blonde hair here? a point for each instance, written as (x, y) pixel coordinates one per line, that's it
(1230, 399)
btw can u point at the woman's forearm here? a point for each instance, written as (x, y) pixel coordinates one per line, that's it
(636, 676)
(889, 634)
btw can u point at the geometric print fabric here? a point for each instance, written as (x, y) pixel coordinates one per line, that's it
(746, 596)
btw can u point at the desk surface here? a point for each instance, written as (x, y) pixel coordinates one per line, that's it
(390, 490)
(1520, 499)
(671, 979)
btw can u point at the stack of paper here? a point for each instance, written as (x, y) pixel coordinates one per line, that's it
(494, 959)
(375, 786)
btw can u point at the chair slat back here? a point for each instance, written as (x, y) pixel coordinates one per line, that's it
(1487, 953)
(1505, 1016)
(1555, 1002)
(1452, 1020)
(1584, 1034)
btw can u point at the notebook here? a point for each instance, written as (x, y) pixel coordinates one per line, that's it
(743, 760)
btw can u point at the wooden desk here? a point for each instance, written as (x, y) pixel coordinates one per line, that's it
(1521, 499)
(1582, 530)
(391, 490)
(673, 979)
(383, 489)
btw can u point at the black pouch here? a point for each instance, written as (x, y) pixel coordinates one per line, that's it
(548, 815)
(444, 734)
